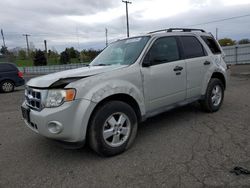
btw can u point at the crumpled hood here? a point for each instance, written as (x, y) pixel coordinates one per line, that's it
(47, 80)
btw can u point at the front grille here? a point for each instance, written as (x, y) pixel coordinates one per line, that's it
(33, 98)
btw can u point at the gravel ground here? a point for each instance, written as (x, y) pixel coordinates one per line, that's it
(181, 148)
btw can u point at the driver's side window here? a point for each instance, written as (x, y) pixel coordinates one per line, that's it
(163, 50)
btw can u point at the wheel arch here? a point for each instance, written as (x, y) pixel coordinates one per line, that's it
(221, 77)
(7, 79)
(120, 97)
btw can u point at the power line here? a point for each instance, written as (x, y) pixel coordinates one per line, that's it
(84, 34)
(220, 20)
(127, 2)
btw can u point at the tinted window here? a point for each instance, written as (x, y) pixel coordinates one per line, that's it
(6, 67)
(192, 47)
(213, 46)
(164, 50)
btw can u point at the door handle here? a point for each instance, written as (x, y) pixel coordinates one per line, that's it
(178, 68)
(206, 63)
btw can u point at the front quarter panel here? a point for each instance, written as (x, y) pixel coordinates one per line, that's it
(124, 81)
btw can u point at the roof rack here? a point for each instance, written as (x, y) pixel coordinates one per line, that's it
(177, 29)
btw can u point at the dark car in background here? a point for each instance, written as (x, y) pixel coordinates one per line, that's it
(10, 77)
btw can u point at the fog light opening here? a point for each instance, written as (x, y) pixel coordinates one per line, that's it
(55, 127)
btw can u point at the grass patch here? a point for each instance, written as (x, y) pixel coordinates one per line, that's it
(51, 61)
(24, 62)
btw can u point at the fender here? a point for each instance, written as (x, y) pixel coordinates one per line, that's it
(108, 88)
(209, 74)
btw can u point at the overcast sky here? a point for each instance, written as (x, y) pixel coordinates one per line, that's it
(82, 23)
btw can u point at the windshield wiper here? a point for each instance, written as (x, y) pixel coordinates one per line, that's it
(102, 64)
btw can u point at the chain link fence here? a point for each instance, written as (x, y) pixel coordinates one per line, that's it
(50, 68)
(237, 54)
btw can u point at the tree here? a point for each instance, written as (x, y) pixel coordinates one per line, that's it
(227, 42)
(4, 50)
(53, 56)
(89, 55)
(22, 54)
(64, 57)
(244, 41)
(39, 58)
(73, 53)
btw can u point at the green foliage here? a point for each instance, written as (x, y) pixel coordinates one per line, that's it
(22, 54)
(72, 52)
(64, 57)
(32, 54)
(53, 57)
(39, 58)
(4, 50)
(24, 63)
(89, 55)
(244, 41)
(227, 42)
(52, 54)
(69, 55)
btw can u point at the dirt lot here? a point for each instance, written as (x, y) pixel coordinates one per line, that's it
(181, 148)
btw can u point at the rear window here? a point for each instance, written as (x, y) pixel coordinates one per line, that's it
(7, 67)
(192, 47)
(211, 43)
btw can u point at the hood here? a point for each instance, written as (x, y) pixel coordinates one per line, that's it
(73, 74)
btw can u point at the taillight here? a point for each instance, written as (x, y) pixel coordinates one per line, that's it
(20, 74)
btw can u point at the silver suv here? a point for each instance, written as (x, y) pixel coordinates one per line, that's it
(130, 81)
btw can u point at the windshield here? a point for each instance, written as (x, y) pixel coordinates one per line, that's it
(123, 52)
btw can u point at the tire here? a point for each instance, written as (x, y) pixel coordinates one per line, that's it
(106, 134)
(214, 96)
(7, 86)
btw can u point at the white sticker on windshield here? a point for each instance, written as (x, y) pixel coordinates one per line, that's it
(133, 40)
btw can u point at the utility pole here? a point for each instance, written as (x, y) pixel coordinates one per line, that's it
(46, 51)
(27, 41)
(127, 2)
(216, 33)
(106, 35)
(3, 38)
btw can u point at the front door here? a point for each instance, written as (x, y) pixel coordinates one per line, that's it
(164, 80)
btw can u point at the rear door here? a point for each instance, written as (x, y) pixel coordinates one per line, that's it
(8, 71)
(164, 80)
(197, 63)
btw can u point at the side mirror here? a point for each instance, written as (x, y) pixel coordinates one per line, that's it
(146, 63)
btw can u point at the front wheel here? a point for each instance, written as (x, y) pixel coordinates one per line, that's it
(214, 96)
(113, 128)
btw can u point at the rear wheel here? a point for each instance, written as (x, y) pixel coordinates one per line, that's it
(7, 86)
(113, 128)
(214, 96)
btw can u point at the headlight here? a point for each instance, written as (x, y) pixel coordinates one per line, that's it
(57, 97)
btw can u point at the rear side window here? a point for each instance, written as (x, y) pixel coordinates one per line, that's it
(6, 67)
(192, 47)
(213, 46)
(164, 50)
